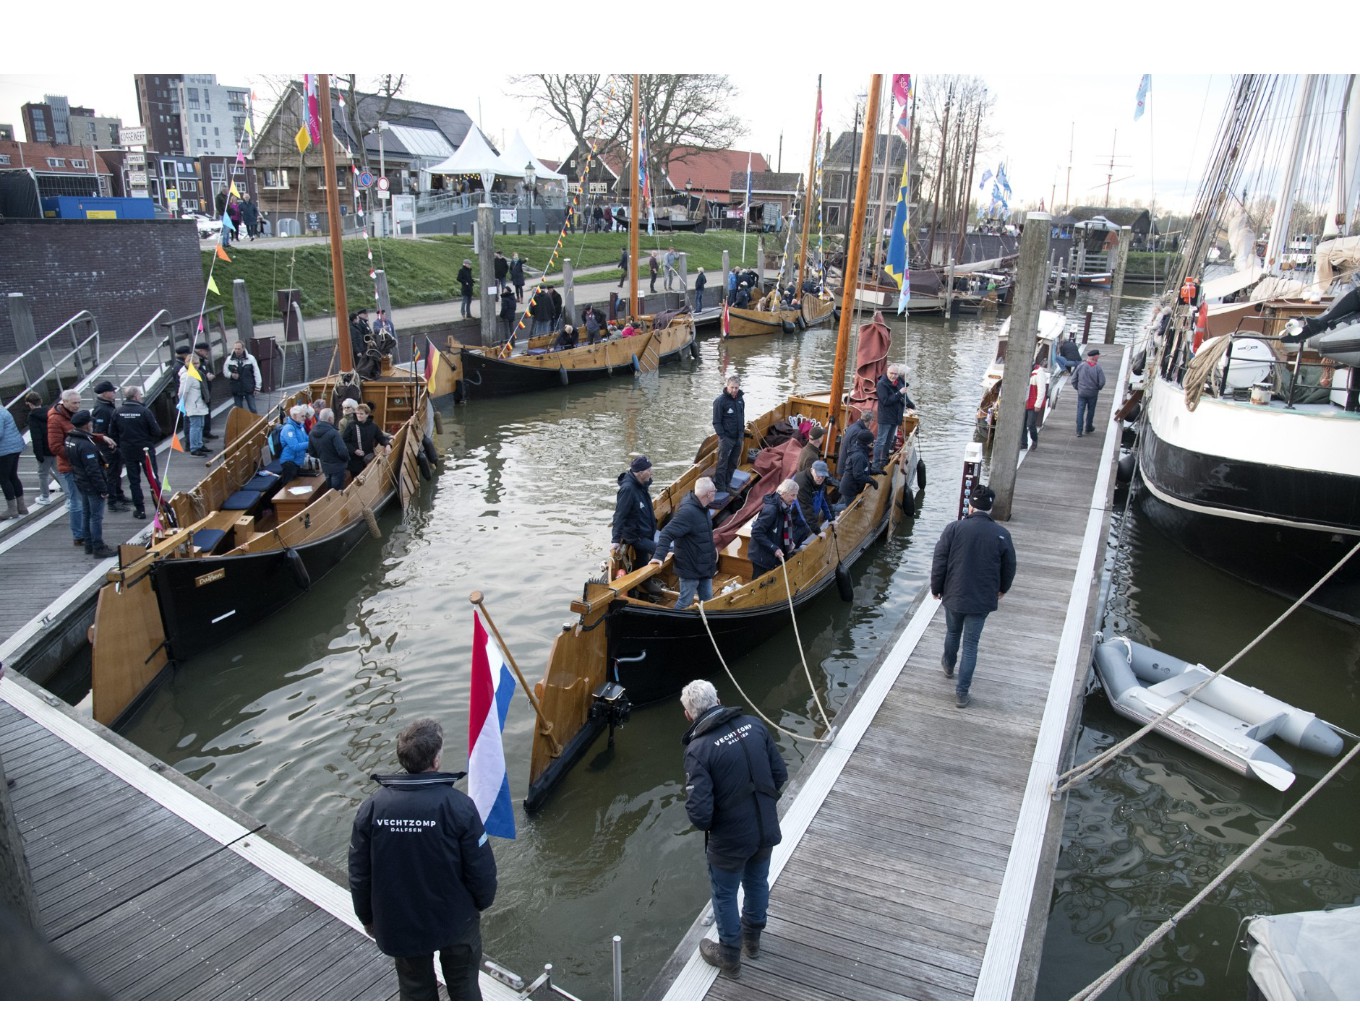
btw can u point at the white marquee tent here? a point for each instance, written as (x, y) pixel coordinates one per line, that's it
(474, 156)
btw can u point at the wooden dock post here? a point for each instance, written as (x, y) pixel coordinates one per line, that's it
(245, 323)
(727, 268)
(1029, 299)
(384, 299)
(682, 265)
(568, 293)
(1121, 260)
(486, 272)
(949, 291)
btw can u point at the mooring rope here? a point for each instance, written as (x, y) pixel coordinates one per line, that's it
(1099, 986)
(831, 730)
(1068, 779)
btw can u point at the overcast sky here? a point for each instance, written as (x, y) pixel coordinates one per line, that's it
(1048, 117)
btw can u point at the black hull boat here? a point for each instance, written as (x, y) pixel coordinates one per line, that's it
(486, 375)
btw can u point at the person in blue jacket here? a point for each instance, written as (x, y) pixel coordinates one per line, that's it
(294, 440)
(733, 775)
(421, 870)
(973, 567)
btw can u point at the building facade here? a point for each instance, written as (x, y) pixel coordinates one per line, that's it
(212, 116)
(158, 104)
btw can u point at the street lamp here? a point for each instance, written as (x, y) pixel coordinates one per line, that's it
(530, 179)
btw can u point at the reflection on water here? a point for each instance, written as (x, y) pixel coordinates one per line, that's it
(288, 721)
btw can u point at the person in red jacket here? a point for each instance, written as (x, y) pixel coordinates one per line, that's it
(1034, 406)
(58, 425)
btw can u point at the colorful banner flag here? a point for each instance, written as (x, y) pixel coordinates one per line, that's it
(312, 107)
(899, 243)
(1143, 86)
(748, 186)
(212, 286)
(1001, 179)
(902, 93)
(222, 252)
(492, 688)
(986, 176)
(301, 138)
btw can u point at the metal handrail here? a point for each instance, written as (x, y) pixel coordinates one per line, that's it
(46, 342)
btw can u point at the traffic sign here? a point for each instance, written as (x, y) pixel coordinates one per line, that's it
(365, 179)
(382, 184)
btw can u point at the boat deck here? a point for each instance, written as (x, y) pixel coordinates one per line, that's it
(919, 846)
(156, 889)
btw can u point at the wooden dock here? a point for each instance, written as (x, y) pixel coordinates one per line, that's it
(158, 890)
(919, 846)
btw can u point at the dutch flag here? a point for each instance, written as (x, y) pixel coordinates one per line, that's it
(493, 686)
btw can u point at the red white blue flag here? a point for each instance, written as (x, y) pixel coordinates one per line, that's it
(311, 107)
(493, 686)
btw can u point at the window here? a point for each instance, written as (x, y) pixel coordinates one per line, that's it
(275, 178)
(219, 171)
(54, 163)
(4, 159)
(80, 164)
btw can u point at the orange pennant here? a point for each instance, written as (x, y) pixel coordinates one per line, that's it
(222, 254)
(175, 444)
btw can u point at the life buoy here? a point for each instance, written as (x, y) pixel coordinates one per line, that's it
(1201, 324)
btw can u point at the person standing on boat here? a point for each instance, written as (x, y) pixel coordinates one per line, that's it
(634, 518)
(855, 460)
(812, 498)
(892, 402)
(1089, 380)
(465, 285)
(700, 282)
(972, 568)
(1034, 406)
(1069, 354)
(421, 870)
(733, 776)
(729, 423)
(812, 447)
(363, 439)
(329, 448)
(508, 311)
(779, 529)
(690, 533)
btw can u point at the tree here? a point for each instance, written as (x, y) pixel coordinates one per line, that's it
(362, 111)
(679, 110)
(953, 114)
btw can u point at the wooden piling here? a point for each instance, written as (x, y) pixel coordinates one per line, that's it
(1121, 261)
(486, 272)
(568, 292)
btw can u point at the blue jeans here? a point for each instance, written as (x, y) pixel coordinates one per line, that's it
(698, 299)
(968, 627)
(1064, 364)
(691, 586)
(75, 505)
(92, 518)
(196, 431)
(754, 878)
(1086, 406)
(246, 400)
(883, 444)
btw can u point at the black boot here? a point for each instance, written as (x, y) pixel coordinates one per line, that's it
(750, 941)
(726, 958)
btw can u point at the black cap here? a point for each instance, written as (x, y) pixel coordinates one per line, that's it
(184, 349)
(81, 418)
(104, 386)
(639, 464)
(203, 345)
(982, 497)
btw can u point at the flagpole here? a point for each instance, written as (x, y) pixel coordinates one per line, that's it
(746, 213)
(545, 725)
(633, 184)
(807, 202)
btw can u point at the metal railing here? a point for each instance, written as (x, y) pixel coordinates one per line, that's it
(129, 364)
(80, 348)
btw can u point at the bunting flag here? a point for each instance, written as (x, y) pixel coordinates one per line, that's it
(902, 93)
(747, 214)
(232, 191)
(492, 688)
(1001, 179)
(222, 253)
(175, 444)
(986, 176)
(302, 140)
(1143, 86)
(312, 107)
(212, 286)
(240, 158)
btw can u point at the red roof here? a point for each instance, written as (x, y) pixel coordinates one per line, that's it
(36, 154)
(710, 170)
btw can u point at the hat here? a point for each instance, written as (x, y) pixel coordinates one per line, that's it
(639, 464)
(982, 497)
(1093, 353)
(817, 432)
(184, 349)
(203, 345)
(467, 262)
(819, 468)
(104, 386)
(81, 418)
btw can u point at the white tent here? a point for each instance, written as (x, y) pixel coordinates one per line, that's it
(519, 154)
(474, 156)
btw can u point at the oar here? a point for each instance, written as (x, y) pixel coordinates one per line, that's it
(1270, 774)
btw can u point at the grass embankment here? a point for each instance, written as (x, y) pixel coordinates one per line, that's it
(423, 270)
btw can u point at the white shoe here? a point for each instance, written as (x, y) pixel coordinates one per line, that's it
(42, 501)
(53, 487)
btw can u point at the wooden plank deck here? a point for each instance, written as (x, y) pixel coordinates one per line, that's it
(157, 890)
(918, 847)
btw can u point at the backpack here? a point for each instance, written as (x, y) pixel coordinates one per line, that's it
(275, 442)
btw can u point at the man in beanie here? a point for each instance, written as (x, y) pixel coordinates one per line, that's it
(634, 519)
(102, 421)
(812, 497)
(973, 567)
(91, 482)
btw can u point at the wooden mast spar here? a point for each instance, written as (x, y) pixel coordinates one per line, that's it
(851, 275)
(333, 215)
(633, 186)
(807, 202)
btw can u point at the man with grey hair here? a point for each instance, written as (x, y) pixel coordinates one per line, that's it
(733, 773)
(892, 402)
(329, 447)
(421, 870)
(136, 431)
(779, 529)
(690, 530)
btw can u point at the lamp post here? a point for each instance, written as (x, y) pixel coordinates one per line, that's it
(530, 179)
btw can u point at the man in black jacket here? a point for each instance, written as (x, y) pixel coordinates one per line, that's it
(690, 531)
(136, 431)
(91, 482)
(729, 423)
(500, 269)
(812, 497)
(856, 445)
(465, 287)
(892, 402)
(634, 518)
(973, 567)
(101, 416)
(421, 870)
(733, 773)
(325, 443)
(779, 529)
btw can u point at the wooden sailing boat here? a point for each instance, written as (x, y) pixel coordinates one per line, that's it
(653, 649)
(244, 546)
(814, 309)
(505, 369)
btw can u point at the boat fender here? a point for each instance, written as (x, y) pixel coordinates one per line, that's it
(371, 520)
(1127, 463)
(439, 420)
(920, 474)
(788, 326)
(538, 691)
(299, 569)
(1201, 324)
(424, 464)
(843, 583)
(802, 322)
(694, 348)
(431, 454)
(637, 369)
(562, 374)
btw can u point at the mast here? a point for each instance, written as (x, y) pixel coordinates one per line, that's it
(807, 202)
(633, 210)
(851, 275)
(333, 215)
(1284, 202)
(883, 192)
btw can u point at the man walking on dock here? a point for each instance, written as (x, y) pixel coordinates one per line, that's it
(1089, 380)
(421, 870)
(733, 773)
(973, 566)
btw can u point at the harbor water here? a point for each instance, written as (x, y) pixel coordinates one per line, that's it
(289, 721)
